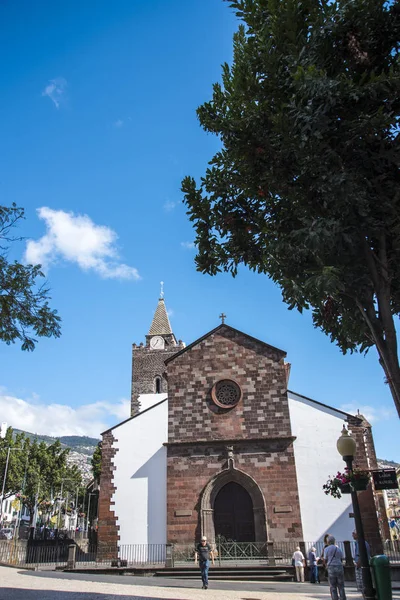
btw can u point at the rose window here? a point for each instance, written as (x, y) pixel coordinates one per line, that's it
(226, 393)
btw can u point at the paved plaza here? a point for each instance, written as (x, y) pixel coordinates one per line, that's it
(16, 584)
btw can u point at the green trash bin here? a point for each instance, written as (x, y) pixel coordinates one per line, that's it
(381, 571)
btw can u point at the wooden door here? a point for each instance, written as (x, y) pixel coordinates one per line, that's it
(233, 514)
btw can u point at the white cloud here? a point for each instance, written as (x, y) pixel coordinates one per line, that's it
(169, 205)
(60, 419)
(371, 413)
(188, 245)
(170, 312)
(76, 239)
(118, 123)
(56, 90)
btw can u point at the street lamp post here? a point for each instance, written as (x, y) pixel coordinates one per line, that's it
(346, 446)
(88, 513)
(61, 499)
(5, 479)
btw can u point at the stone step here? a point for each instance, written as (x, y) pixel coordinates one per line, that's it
(229, 576)
(227, 570)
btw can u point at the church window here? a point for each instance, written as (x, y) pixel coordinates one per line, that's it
(226, 393)
(157, 384)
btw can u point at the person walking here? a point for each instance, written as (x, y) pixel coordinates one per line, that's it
(298, 561)
(357, 561)
(202, 556)
(321, 558)
(313, 564)
(333, 557)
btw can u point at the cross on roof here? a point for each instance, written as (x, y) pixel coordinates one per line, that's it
(162, 289)
(222, 316)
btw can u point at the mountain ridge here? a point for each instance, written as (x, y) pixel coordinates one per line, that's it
(78, 443)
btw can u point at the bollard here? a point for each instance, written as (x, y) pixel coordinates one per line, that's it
(169, 556)
(271, 557)
(71, 556)
(348, 555)
(381, 571)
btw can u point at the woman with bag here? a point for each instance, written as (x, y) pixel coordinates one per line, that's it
(298, 560)
(333, 557)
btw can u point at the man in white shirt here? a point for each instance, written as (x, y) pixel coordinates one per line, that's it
(298, 561)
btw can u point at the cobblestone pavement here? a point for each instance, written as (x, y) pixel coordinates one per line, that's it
(28, 585)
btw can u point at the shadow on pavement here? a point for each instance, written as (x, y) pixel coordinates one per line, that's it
(286, 588)
(10, 593)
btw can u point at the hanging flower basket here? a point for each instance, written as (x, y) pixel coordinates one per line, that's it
(345, 488)
(344, 483)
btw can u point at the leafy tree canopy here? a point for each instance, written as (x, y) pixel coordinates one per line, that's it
(96, 462)
(306, 185)
(37, 471)
(24, 308)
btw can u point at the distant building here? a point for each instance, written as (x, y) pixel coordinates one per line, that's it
(218, 446)
(10, 511)
(392, 505)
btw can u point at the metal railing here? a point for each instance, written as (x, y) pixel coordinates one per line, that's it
(226, 552)
(392, 550)
(54, 553)
(283, 551)
(143, 554)
(21, 553)
(41, 533)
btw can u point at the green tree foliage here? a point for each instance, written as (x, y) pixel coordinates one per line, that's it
(96, 462)
(38, 472)
(24, 308)
(16, 461)
(306, 185)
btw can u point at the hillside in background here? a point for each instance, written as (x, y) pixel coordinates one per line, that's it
(78, 443)
(81, 449)
(387, 464)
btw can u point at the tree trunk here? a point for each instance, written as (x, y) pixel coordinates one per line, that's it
(379, 316)
(386, 345)
(390, 364)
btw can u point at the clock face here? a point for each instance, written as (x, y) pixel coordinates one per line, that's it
(157, 342)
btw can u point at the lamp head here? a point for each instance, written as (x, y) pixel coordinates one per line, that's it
(346, 444)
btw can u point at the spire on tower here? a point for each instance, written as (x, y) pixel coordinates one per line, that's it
(160, 324)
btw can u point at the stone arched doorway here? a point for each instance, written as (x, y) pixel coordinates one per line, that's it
(253, 491)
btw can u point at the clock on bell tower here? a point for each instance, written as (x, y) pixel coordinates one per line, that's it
(157, 342)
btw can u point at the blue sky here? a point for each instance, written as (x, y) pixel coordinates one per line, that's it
(98, 125)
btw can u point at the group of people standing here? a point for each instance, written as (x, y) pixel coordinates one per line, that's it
(332, 560)
(299, 562)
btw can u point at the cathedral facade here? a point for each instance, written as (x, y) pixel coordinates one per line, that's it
(217, 445)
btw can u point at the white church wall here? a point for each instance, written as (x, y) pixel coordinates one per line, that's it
(149, 400)
(317, 429)
(140, 477)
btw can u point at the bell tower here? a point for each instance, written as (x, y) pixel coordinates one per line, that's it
(148, 368)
